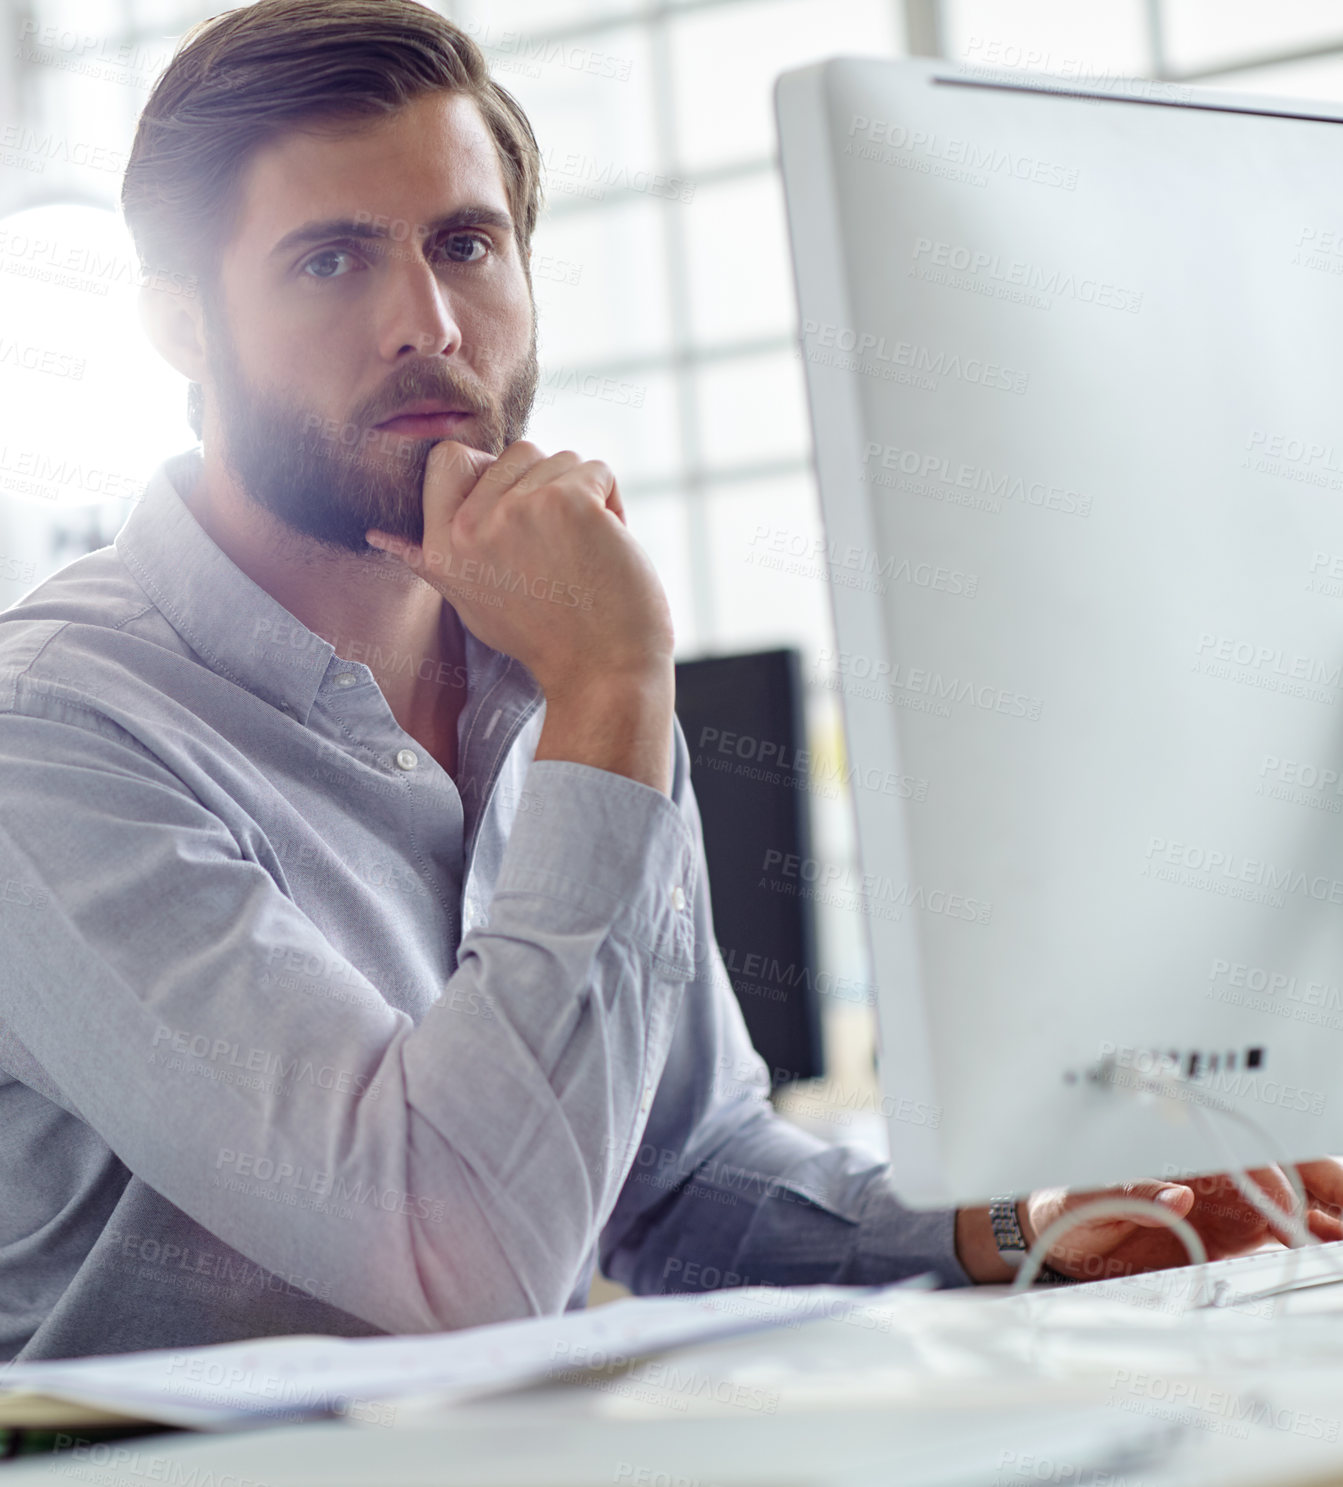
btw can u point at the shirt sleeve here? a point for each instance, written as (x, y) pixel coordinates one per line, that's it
(496, 1145)
(723, 1192)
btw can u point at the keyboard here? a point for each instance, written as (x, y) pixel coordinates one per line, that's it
(1259, 1283)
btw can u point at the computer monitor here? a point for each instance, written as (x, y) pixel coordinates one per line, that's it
(1073, 362)
(744, 722)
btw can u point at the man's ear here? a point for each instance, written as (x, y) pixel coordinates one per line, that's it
(174, 323)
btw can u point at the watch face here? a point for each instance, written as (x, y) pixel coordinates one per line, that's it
(1007, 1235)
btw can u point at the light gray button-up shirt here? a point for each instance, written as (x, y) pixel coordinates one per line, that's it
(299, 1034)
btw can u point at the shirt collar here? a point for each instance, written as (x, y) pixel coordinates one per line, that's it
(234, 625)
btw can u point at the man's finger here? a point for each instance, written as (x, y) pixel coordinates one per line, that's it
(451, 473)
(409, 552)
(502, 473)
(545, 470)
(1323, 1181)
(1173, 1197)
(1324, 1226)
(1272, 1182)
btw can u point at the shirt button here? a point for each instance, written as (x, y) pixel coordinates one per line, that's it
(346, 679)
(677, 897)
(406, 758)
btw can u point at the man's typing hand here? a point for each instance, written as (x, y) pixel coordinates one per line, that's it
(1225, 1221)
(1106, 1248)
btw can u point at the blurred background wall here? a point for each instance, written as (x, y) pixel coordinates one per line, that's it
(661, 272)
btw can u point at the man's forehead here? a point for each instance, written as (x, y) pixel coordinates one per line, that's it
(433, 157)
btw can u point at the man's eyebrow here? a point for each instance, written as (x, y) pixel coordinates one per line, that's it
(382, 227)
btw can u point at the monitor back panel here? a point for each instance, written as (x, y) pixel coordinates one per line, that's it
(1075, 367)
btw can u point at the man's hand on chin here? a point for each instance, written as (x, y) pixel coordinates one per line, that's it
(1105, 1248)
(534, 554)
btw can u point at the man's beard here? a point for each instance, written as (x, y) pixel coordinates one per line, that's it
(333, 481)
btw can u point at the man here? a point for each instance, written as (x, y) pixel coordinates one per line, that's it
(361, 974)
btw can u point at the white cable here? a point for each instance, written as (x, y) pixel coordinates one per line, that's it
(1259, 1200)
(1116, 1208)
(1171, 1085)
(1298, 1231)
(1106, 1208)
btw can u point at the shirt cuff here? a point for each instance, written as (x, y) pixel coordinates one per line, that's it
(611, 848)
(895, 1241)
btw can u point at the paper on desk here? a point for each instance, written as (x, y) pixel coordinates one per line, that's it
(285, 1379)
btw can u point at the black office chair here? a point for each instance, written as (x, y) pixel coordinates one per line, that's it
(743, 718)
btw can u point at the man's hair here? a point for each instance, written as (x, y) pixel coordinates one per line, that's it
(242, 79)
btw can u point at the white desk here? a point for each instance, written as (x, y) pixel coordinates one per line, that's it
(951, 1388)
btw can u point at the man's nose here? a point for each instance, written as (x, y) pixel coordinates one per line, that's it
(418, 315)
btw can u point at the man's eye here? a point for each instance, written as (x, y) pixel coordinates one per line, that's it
(459, 248)
(322, 260)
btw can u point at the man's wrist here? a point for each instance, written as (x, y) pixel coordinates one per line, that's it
(646, 675)
(977, 1248)
(620, 723)
(1024, 1220)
